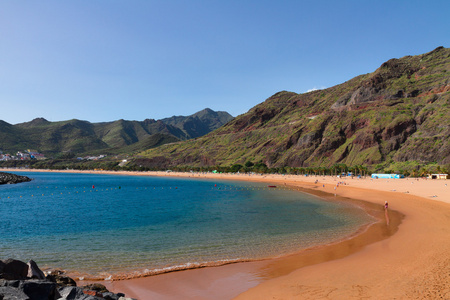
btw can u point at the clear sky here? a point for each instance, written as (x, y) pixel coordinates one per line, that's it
(104, 60)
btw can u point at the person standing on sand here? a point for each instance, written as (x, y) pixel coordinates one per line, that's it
(386, 213)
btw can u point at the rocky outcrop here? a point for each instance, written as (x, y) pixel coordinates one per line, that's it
(12, 269)
(8, 178)
(34, 271)
(21, 281)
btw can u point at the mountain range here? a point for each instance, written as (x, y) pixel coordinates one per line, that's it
(397, 116)
(121, 136)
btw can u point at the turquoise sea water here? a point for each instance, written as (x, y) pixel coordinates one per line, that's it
(102, 225)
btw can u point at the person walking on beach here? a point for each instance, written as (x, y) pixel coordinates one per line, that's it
(386, 213)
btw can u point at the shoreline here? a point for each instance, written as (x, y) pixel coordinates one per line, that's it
(283, 277)
(391, 185)
(373, 231)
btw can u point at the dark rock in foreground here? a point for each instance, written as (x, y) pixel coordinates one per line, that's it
(21, 281)
(12, 269)
(8, 178)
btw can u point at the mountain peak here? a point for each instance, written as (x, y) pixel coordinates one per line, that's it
(204, 112)
(34, 122)
(39, 121)
(200, 123)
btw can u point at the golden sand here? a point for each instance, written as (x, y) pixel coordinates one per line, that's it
(413, 263)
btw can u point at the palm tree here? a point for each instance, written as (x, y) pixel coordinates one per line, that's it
(344, 166)
(359, 168)
(363, 170)
(336, 169)
(316, 170)
(423, 172)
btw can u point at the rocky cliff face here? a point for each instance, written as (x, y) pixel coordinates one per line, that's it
(398, 113)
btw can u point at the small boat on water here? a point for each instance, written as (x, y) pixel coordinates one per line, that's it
(272, 186)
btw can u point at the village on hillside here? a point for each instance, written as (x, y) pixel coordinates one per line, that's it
(28, 154)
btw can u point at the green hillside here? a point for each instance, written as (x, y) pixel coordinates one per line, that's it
(199, 123)
(395, 117)
(82, 137)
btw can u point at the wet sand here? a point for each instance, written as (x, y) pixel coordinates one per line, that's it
(413, 263)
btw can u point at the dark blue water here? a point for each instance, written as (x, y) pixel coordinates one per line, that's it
(102, 225)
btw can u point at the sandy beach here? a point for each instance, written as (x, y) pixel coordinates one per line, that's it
(406, 255)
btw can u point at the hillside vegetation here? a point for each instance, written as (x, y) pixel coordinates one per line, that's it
(396, 117)
(122, 136)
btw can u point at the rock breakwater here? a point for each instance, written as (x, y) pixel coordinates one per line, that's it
(9, 178)
(25, 281)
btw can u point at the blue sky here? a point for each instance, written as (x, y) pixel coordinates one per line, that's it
(105, 60)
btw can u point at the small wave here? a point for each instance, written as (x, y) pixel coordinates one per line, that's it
(158, 271)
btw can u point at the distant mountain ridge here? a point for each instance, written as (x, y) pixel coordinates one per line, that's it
(79, 136)
(397, 115)
(200, 123)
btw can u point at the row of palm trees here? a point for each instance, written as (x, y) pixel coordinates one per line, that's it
(424, 171)
(335, 170)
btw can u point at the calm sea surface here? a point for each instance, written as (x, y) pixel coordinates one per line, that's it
(102, 225)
